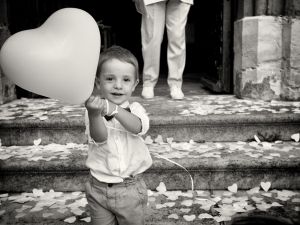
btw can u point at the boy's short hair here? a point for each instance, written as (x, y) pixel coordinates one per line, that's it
(120, 53)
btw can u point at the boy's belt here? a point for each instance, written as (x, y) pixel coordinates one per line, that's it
(126, 181)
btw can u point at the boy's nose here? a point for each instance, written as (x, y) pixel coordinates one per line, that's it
(118, 84)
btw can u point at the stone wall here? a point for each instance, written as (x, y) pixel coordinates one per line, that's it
(267, 58)
(7, 87)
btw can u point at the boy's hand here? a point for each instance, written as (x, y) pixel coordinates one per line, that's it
(96, 105)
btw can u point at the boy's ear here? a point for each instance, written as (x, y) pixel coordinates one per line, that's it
(136, 83)
(96, 85)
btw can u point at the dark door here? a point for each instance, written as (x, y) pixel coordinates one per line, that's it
(210, 49)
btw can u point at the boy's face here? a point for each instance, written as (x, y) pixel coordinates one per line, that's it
(117, 81)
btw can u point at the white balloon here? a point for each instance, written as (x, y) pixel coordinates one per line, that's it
(58, 59)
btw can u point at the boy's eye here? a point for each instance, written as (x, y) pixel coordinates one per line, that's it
(126, 79)
(109, 78)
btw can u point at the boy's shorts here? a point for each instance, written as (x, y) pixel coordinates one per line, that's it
(117, 204)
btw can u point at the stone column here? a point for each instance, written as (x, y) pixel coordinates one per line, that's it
(291, 60)
(7, 88)
(266, 58)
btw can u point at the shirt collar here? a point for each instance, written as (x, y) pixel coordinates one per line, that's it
(124, 104)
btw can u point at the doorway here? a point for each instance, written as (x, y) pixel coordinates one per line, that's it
(206, 33)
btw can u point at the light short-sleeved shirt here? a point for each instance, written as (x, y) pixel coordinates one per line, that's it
(123, 154)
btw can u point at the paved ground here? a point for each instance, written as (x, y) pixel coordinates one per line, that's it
(164, 207)
(189, 87)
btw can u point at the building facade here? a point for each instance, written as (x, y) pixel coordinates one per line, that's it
(249, 48)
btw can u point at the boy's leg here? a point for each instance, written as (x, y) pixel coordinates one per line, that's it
(152, 30)
(131, 204)
(176, 19)
(96, 203)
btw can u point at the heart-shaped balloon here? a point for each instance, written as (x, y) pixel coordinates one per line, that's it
(58, 59)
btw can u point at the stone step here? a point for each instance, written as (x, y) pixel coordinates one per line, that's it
(200, 118)
(164, 207)
(210, 165)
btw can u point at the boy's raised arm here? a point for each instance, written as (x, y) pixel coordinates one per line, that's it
(95, 107)
(130, 121)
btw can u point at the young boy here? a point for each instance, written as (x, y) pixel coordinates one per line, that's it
(117, 156)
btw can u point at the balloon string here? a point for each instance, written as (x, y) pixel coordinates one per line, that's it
(177, 164)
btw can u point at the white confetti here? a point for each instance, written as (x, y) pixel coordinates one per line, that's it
(173, 216)
(159, 139)
(221, 218)
(189, 217)
(37, 192)
(267, 194)
(37, 141)
(265, 185)
(148, 140)
(2, 212)
(257, 139)
(19, 215)
(187, 202)
(233, 188)
(86, 219)
(161, 188)
(296, 137)
(46, 215)
(205, 216)
(185, 210)
(71, 219)
(254, 190)
(297, 200)
(276, 204)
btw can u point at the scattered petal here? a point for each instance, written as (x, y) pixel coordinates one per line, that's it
(148, 140)
(37, 192)
(37, 141)
(189, 217)
(205, 216)
(267, 194)
(77, 211)
(161, 188)
(276, 204)
(187, 202)
(2, 212)
(257, 139)
(265, 185)
(86, 219)
(4, 195)
(296, 137)
(173, 216)
(185, 210)
(254, 190)
(233, 188)
(71, 219)
(19, 215)
(297, 200)
(222, 218)
(170, 140)
(46, 215)
(159, 139)
(149, 192)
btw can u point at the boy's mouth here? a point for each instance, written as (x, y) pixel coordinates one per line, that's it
(117, 94)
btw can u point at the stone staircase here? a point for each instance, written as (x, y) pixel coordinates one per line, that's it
(225, 148)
